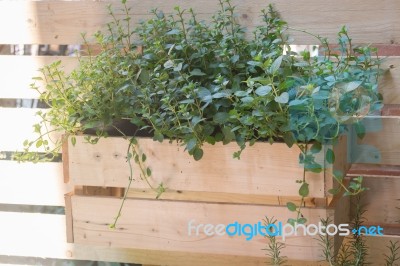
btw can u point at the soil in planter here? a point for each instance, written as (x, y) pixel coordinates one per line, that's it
(120, 128)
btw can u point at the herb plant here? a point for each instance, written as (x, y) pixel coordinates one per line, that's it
(202, 82)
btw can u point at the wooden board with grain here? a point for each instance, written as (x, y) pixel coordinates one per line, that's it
(163, 225)
(258, 172)
(62, 22)
(15, 81)
(21, 238)
(20, 123)
(32, 184)
(381, 144)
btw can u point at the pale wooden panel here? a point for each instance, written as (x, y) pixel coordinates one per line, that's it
(163, 225)
(33, 184)
(218, 197)
(382, 201)
(61, 22)
(43, 235)
(381, 145)
(258, 172)
(389, 84)
(18, 126)
(17, 73)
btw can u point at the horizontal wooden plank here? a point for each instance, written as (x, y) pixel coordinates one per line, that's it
(374, 170)
(61, 22)
(382, 201)
(164, 225)
(34, 184)
(15, 81)
(19, 127)
(38, 235)
(228, 198)
(389, 84)
(381, 144)
(256, 173)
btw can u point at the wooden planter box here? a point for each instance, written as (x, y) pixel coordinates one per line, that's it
(215, 190)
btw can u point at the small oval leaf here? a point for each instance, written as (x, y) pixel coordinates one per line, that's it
(291, 206)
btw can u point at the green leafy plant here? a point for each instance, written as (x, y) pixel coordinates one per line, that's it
(274, 247)
(353, 251)
(202, 82)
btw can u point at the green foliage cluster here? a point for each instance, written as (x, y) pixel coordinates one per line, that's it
(206, 82)
(353, 251)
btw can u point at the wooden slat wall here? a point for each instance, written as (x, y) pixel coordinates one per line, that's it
(62, 22)
(15, 81)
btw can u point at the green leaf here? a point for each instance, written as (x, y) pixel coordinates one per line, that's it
(301, 220)
(221, 117)
(304, 191)
(228, 134)
(276, 65)
(191, 144)
(169, 64)
(197, 72)
(241, 93)
(291, 206)
(296, 102)
(73, 140)
(204, 94)
(234, 58)
(173, 32)
(187, 101)
(316, 147)
(283, 98)
(197, 153)
(352, 85)
(158, 136)
(148, 171)
(338, 175)
(289, 139)
(39, 143)
(247, 99)
(219, 95)
(334, 191)
(360, 130)
(263, 90)
(292, 221)
(144, 157)
(330, 156)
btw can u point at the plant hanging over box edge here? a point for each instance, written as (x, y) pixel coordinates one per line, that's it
(202, 82)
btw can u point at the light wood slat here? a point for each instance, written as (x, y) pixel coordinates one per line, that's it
(382, 201)
(61, 22)
(19, 127)
(163, 225)
(104, 164)
(389, 84)
(228, 198)
(381, 144)
(43, 235)
(33, 184)
(17, 73)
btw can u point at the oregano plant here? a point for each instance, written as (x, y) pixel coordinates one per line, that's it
(199, 82)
